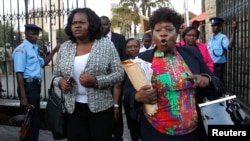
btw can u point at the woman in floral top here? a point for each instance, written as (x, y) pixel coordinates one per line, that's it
(178, 74)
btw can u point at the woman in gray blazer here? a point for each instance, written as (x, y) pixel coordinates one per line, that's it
(94, 66)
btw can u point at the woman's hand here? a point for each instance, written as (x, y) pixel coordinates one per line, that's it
(146, 95)
(201, 81)
(63, 85)
(87, 80)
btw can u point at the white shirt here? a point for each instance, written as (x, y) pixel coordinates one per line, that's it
(48, 49)
(109, 35)
(79, 66)
(142, 49)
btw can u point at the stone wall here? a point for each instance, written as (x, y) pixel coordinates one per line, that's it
(210, 9)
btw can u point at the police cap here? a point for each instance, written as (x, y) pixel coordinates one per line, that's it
(216, 21)
(32, 27)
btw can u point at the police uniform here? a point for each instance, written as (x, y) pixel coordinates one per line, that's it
(28, 61)
(217, 47)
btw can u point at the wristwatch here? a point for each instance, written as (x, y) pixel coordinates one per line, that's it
(116, 105)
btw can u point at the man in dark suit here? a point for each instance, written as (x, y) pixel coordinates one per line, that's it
(119, 42)
(117, 39)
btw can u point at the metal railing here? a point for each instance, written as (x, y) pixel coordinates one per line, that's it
(238, 66)
(50, 15)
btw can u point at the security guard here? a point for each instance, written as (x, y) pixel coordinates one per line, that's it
(218, 45)
(27, 66)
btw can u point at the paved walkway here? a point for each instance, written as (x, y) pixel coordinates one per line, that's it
(10, 133)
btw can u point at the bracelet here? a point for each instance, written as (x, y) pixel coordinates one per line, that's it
(206, 75)
(116, 105)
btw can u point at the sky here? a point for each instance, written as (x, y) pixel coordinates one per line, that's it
(102, 7)
(193, 6)
(99, 6)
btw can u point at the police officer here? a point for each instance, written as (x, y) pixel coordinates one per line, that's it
(219, 44)
(27, 66)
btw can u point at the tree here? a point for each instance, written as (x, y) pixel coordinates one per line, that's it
(123, 17)
(43, 37)
(135, 17)
(128, 12)
(61, 36)
(147, 5)
(8, 35)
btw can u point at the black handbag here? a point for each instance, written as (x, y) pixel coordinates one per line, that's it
(223, 111)
(55, 114)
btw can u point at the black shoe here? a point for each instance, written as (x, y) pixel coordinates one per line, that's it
(2, 90)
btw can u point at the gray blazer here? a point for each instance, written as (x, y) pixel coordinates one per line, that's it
(103, 63)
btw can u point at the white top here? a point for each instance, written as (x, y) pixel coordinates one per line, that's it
(144, 49)
(79, 66)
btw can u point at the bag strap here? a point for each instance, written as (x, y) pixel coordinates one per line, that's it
(52, 89)
(222, 89)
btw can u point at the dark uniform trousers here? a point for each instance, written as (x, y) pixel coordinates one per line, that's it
(219, 69)
(33, 90)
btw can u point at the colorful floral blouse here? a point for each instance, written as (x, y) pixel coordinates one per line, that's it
(176, 100)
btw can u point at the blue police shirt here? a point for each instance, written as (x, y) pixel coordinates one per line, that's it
(217, 47)
(27, 60)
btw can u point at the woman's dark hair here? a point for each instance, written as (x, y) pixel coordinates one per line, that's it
(94, 24)
(130, 39)
(165, 14)
(189, 28)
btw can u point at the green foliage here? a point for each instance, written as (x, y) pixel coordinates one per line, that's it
(147, 5)
(43, 37)
(129, 11)
(61, 36)
(124, 16)
(7, 34)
